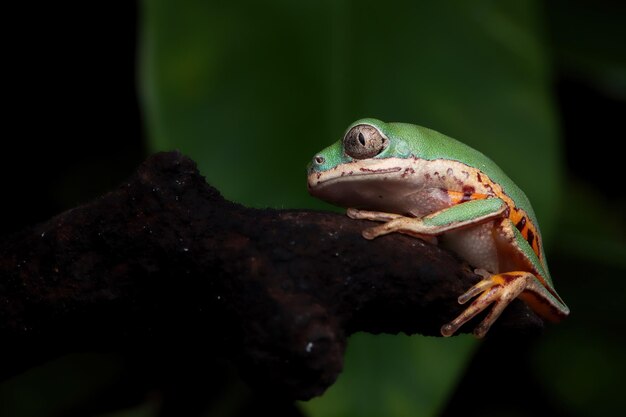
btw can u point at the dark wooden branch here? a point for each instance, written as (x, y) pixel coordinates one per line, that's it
(276, 291)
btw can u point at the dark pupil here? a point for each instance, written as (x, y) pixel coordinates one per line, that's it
(361, 138)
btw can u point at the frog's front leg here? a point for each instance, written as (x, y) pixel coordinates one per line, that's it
(450, 218)
(379, 216)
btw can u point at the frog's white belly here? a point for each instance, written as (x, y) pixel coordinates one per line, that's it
(475, 244)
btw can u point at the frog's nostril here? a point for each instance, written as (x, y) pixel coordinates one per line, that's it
(319, 160)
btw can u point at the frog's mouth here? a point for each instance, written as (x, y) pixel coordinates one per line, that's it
(351, 170)
(372, 184)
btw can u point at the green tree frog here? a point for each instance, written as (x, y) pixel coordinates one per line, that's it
(424, 184)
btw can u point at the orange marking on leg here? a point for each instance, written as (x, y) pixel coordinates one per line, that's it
(458, 197)
(497, 290)
(498, 279)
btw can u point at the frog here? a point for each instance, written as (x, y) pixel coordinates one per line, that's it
(416, 181)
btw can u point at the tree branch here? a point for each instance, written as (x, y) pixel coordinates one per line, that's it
(276, 291)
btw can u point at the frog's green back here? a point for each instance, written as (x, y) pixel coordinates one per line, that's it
(430, 145)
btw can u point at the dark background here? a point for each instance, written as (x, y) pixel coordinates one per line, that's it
(74, 128)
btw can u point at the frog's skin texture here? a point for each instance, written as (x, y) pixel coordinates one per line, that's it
(422, 183)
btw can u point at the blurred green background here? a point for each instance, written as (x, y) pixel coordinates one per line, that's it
(251, 90)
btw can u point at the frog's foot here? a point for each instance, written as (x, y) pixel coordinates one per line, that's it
(499, 290)
(392, 223)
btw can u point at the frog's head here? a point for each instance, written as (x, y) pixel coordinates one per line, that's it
(369, 164)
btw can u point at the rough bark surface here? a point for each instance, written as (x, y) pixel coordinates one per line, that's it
(275, 291)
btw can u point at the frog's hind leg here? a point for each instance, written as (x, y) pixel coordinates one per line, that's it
(499, 290)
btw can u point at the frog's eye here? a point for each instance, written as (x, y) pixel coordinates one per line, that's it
(364, 141)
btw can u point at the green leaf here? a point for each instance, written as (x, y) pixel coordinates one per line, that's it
(394, 376)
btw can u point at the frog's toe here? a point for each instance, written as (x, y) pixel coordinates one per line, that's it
(383, 229)
(377, 216)
(479, 305)
(354, 213)
(483, 273)
(481, 330)
(405, 225)
(499, 290)
(475, 290)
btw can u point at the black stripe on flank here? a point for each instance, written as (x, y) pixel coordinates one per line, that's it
(530, 238)
(468, 190)
(520, 224)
